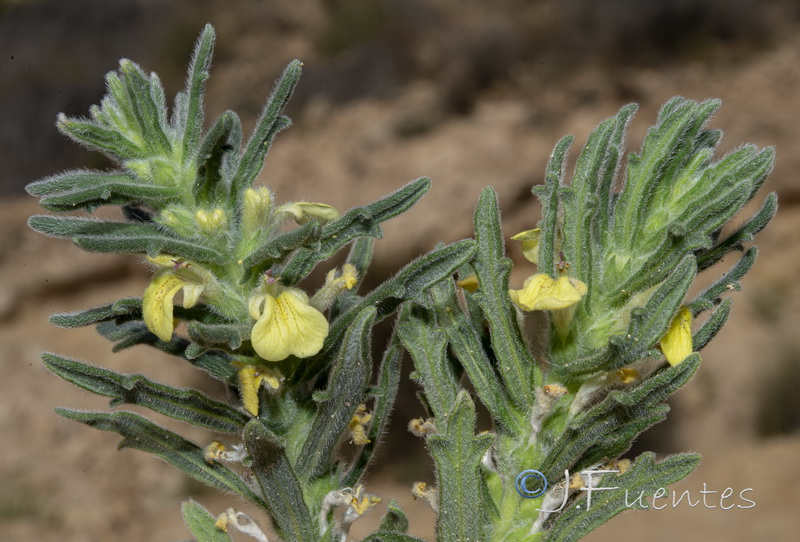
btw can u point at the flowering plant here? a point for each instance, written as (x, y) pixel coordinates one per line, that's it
(228, 296)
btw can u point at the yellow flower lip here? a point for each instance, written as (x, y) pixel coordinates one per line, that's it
(677, 341)
(286, 325)
(530, 243)
(304, 211)
(172, 277)
(541, 292)
(469, 283)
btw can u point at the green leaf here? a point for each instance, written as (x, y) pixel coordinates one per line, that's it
(279, 484)
(357, 222)
(345, 390)
(743, 234)
(728, 282)
(121, 310)
(192, 117)
(202, 524)
(277, 248)
(587, 200)
(128, 334)
(457, 454)
(218, 144)
(548, 196)
(381, 536)
(514, 363)
(666, 150)
(89, 189)
(227, 336)
(268, 125)
(96, 236)
(95, 137)
(384, 393)
(467, 347)
(145, 110)
(646, 476)
(183, 404)
(427, 344)
(602, 427)
(142, 434)
(712, 325)
(395, 520)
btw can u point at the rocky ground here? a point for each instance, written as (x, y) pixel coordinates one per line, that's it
(62, 481)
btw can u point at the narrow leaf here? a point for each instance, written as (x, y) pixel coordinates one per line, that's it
(357, 222)
(183, 404)
(97, 236)
(457, 454)
(279, 484)
(645, 477)
(514, 363)
(345, 390)
(142, 434)
(192, 122)
(202, 524)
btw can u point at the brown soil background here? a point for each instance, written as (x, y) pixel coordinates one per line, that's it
(466, 94)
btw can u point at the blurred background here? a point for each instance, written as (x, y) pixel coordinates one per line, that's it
(468, 93)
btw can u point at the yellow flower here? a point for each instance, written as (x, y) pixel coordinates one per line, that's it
(250, 378)
(357, 426)
(304, 211)
(469, 283)
(334, 285)
(541, 292)
(157, 302)
(677, 341)
(530, 244)
(286, 325)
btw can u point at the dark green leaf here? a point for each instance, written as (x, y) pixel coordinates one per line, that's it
(427, 344)
(514, 363)
(192, 121)
(645, 477)
(202, 524)
(96, 236)
(357, 222)
(182, 404)
(267, 126)
(467, 347)
(279, 484)
(142, 434)
(457, 454)
(336, 405)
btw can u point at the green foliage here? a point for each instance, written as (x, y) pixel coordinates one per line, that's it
(201, 523)
(304, 415)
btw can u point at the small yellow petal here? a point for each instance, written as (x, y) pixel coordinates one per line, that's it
(157, 303)
(677, 342)
(349, 275)
(530, 244)
(304, 211)
(250, 378)
(532, 291)
(540, 292)
(288, 326)
(255, 304)
(213, 452)
(222, 523)
(626, 375)
(470, 283)
(191, 293)
(162, 260)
